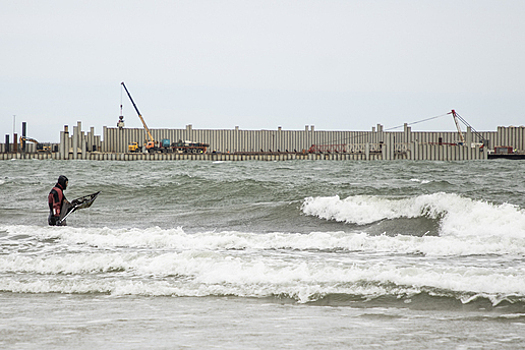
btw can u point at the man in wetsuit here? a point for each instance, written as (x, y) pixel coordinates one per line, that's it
(55, 200)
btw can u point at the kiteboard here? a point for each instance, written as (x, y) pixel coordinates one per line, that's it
(79, 203)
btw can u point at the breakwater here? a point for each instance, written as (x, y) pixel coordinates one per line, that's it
(416, 152)
(177, 156)
(276, 145)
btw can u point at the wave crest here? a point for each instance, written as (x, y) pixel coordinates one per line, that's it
(457, 215)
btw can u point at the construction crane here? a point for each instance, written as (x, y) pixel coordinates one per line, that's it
(461, 137)
(457, 117)
(39, 147)
(27, 139)
(151, 143)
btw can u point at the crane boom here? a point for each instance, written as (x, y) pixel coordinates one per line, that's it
(453, 112)
(457, 117)
(28, 139)
(140, 115)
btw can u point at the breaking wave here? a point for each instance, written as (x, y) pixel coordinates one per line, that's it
(458, 216)
(307, 268)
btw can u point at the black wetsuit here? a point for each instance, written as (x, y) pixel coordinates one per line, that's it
(55, 200)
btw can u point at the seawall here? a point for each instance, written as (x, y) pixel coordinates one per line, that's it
(418, 152)
(273, 145)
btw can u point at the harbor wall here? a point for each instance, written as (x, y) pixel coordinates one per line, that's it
(279, 144)
(279, 140)
(418, 152)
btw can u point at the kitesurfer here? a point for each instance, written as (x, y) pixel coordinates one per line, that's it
(55, 200)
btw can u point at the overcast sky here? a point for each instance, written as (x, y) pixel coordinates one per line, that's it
(338, 65)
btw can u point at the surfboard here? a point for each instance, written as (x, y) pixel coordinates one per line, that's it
(77, 203)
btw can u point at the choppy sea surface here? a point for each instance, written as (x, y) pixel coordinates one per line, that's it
(265, 255)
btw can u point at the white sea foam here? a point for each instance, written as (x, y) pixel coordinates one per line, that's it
(194, 273)
(420, 181)
(303, 266)
(176, 240)
(459, 216)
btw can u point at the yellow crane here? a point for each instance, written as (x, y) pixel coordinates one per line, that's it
(39, 147)
(151, 143)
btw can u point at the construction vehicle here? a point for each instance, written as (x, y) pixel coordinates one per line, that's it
(134, 147)
(457, 117)
(189, 147)
(165, 146)
(182, 147)
(151, 144)
(40, 147)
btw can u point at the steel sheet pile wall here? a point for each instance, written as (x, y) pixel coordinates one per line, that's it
(511, 136)
(237, 144)
(79, 144)
(236, 140)
(360, 145)
(19, 155)
(29, 147)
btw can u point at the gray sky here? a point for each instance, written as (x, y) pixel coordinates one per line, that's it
(338, 65)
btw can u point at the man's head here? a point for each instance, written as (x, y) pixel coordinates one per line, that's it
(63, 181)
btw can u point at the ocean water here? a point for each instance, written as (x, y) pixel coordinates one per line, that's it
(265, 255)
